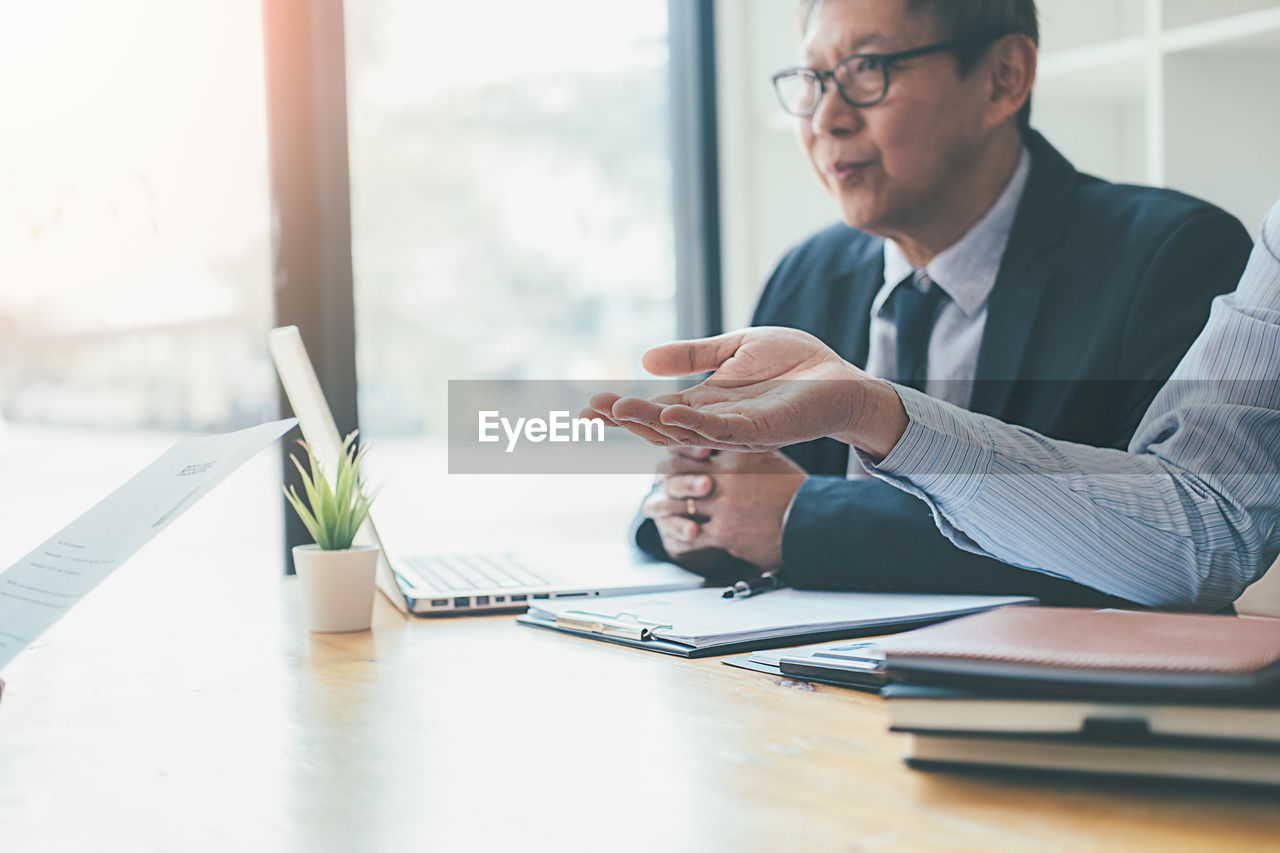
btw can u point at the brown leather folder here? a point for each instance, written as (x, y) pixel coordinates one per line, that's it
(1114, 651)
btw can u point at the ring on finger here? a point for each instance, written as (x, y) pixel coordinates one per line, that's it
(690, 507)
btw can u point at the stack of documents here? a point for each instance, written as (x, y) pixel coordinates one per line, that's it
(701, 622)
(1107, 692)
(39, 589)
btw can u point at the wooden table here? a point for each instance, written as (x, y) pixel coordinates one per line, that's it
(213, 721)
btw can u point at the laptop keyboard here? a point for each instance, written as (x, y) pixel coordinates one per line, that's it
(474, 571)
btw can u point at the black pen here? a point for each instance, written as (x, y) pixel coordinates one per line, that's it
(766, 582)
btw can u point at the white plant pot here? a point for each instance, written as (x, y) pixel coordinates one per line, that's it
(337, 587)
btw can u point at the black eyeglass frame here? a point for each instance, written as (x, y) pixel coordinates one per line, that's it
(883, 60)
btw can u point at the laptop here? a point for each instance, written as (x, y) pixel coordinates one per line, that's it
(445, 584)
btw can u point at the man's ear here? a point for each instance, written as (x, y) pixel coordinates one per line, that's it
(1011, 70)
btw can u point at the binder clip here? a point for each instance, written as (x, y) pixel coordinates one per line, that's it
(620, 625)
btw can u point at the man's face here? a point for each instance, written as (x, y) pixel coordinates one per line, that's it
(891, 166)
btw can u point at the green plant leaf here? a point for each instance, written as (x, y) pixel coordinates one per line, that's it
(344, 473)
(308, 520)
(311, 475)
(327, 510)
(313, 484)
(360, 514)
(347, 492)
(333, 512)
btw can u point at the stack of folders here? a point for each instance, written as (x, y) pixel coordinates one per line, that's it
(1103, 692)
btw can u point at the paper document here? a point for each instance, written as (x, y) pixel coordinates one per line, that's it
(697, 621)
(38, 589)
(703, 617)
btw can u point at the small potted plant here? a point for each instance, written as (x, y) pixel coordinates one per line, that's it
(337, 577)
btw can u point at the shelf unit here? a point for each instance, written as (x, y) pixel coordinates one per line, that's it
(1176, 93)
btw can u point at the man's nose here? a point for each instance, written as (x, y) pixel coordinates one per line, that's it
(835, 115)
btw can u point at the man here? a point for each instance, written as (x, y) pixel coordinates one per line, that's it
(971, 254)
(1188, 518)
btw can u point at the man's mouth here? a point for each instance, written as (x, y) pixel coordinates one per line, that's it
(845, 171)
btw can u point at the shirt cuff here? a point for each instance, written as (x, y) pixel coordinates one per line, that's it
(946, 452)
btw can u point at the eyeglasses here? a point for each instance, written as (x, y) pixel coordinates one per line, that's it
(861, 79)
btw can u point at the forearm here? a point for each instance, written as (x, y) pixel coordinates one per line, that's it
(865, 535)
(1129, 524)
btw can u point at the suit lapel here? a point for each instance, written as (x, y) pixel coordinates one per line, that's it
(1026, 272)
(846, 328)
(863, 286)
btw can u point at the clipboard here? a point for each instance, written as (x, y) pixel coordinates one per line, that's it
(700, 623)
(670, 647)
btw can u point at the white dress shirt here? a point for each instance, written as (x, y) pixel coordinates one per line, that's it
(966, 272)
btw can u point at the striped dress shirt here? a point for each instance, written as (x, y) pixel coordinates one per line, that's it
(1187, 518)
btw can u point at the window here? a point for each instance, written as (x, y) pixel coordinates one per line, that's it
(134, 245)
(512, 219)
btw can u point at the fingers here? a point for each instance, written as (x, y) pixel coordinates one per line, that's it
(685, 358)
(601, 406)
(647, 419)
(630, 411)
(681, 486)
(659, 507)
(636, 409)
(592, 415)
(672, 525)
(711, 430)
(676, 464)
(642, 431)
(705, 434)
(678, 541)
(680, 529)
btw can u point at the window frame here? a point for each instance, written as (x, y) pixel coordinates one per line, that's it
(312, 269)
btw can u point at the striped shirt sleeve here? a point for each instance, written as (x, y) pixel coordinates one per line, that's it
(1187, 518)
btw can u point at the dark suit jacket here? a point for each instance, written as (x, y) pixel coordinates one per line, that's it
(1100, 292)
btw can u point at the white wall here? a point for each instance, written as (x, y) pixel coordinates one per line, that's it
(769, 199)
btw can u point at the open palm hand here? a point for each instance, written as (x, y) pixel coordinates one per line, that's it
(770, 387)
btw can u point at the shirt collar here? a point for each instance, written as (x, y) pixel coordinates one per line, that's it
(967, 269)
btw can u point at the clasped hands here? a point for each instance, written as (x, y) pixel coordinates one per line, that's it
(710, 502)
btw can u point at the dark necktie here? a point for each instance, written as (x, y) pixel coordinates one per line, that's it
(914, 310)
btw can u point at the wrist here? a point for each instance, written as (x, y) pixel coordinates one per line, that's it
(876, 417)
